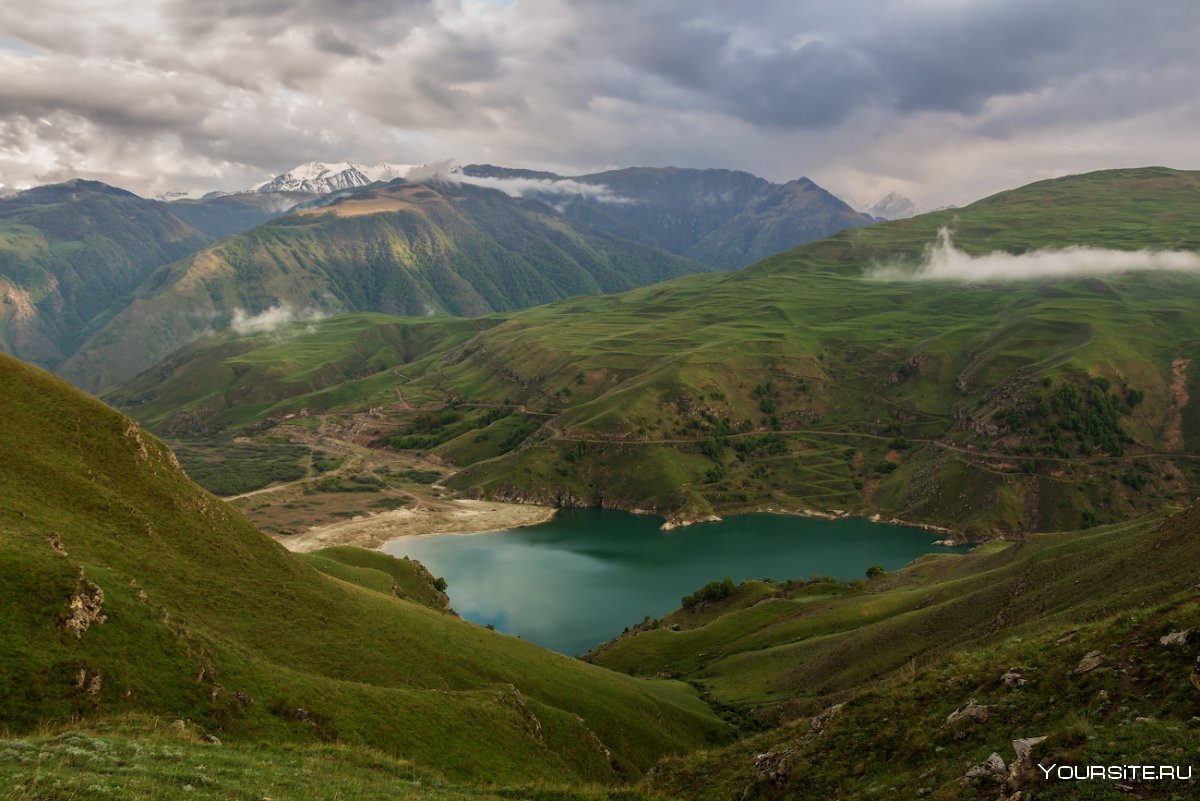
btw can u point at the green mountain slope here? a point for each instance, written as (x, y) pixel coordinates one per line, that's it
(725, 218)
(130, 590)
(70, 254)
(799, 383)
(401, 249)
(905, 684)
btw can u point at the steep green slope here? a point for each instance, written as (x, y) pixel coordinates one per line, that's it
(401, 249)
(801, 383)
(69, 254)
(911, 680)
(725, 218)
(130, 590)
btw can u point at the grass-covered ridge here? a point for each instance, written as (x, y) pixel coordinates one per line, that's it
(796, 383)
(131, 590)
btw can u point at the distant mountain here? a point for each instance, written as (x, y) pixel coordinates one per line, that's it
(725, 218)
(411, 249)
(70, 254)
(222, 214)
(318, 177)
(981, 406)
(894, 206)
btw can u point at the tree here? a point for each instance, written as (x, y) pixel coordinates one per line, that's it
(875, 570)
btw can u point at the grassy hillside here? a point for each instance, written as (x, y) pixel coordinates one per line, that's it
(70, 254)
(403, 249)
(800, 383)
(132, 591)
(1057, 636)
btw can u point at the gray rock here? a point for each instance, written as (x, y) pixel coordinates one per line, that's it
(1014, 678)
(973, 710)
(1176, 638)
(1023, 746)
(992, 768)
(1090, 661)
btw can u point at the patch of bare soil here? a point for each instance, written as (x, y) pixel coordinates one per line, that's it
(1173, 436)
(460, 516)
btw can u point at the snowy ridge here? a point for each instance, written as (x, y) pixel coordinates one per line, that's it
(322, 178)
(894, 206)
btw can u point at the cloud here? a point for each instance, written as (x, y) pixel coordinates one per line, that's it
(944, 262)
(270, 320)
(942, 100)
(545, 189)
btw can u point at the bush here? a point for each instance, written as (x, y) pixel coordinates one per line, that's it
(875, 570)
(712, 591)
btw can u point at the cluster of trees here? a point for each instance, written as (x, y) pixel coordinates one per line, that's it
(712, 591)
(1077, 418)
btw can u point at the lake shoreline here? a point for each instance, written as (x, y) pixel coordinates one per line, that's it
(458, 517)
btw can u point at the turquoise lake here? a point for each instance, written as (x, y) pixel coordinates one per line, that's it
(580, 579)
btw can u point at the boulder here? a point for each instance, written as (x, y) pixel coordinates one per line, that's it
(1176, 638)
(991, 769)
(1091, 660)
(973, 710)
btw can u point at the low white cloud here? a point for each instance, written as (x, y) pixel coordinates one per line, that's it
(269, 320)
(542, 188)
(545, 189)
(944, 262)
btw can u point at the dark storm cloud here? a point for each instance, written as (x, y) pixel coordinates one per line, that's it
(947, 95)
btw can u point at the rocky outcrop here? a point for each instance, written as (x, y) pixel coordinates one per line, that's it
(972, 710)
(1090, 661)
(85, 606)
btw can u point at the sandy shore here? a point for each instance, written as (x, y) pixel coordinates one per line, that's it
(456, 517)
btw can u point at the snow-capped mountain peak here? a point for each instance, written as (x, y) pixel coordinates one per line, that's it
(894, 206)
(322, 177)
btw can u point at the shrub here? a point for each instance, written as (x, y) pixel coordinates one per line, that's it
(712, 591)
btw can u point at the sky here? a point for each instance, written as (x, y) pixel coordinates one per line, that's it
(942, 100)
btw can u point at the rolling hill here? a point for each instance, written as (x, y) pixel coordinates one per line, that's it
(801, 383)
(133, 594)
(404, 249)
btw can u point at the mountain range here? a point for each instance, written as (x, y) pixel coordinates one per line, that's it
(1020, 365)
(321, 178)
(725, 218)
(985, 406)
(472, 241)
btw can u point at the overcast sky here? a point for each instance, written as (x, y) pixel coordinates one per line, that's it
(943, 100)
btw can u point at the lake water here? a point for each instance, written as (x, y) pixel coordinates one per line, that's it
(580, 579)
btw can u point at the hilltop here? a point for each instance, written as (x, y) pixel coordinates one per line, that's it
(800, 383)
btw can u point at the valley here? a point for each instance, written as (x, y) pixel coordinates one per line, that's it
(985, 408)
(543, 400)
(1046, 426)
